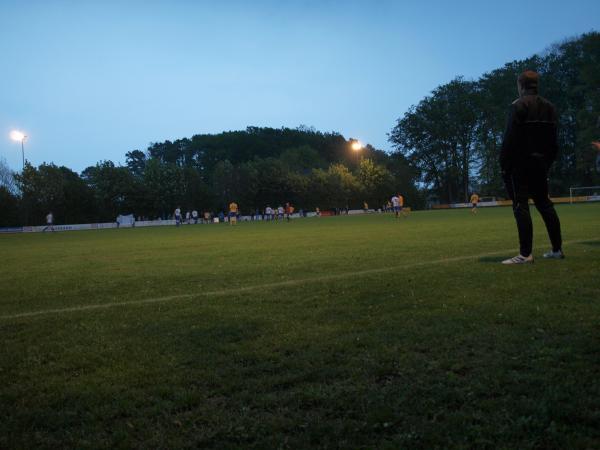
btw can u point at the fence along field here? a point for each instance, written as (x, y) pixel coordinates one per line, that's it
(343, 331)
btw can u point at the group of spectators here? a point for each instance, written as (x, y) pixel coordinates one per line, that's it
(193, 217)
(268, 214)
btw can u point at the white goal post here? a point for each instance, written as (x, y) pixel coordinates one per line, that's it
(595, 190)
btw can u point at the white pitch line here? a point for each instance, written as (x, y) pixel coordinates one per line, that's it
(276, 284)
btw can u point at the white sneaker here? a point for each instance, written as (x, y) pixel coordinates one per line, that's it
(519, 259)
(554, 255)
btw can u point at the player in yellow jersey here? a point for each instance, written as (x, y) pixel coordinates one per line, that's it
(233, 211)
(401, 201)
(474, 202)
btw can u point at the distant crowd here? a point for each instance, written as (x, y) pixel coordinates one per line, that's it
(279, 213)
(267, 214)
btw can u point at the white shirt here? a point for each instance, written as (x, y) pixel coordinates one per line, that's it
(49, 218)
(395, 201)
(178, 212)
(194, 214)
(268, 210)
(187, 215)
(280, 210)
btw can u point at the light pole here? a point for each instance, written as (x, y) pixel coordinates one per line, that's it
(19, 136)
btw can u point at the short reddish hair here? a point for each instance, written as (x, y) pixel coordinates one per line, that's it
(529, 79)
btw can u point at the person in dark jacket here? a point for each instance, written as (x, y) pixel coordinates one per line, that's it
(596, 145)
(529, 148)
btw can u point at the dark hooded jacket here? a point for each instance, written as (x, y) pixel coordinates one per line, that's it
(531, 136)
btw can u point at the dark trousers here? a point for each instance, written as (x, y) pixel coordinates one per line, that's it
(532, 182)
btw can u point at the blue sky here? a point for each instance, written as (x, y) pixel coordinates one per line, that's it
(91, 80)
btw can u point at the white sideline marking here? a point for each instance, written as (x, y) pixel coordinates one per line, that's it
(276, 284)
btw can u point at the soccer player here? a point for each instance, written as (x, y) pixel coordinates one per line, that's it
(177, 216)
(289, 210)
(280, 212)
(396, 205)
(474, 202)
(49, 222)
(529, 148)
(195, 217)
(401, 200)
(233, 211)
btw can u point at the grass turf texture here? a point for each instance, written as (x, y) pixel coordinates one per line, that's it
(360, 332)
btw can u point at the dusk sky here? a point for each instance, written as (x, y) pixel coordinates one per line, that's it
(91, 80)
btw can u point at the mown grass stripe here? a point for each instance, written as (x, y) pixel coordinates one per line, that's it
(278, 284)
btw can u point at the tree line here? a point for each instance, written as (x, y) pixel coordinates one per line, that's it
(452, 137)
(255, 167)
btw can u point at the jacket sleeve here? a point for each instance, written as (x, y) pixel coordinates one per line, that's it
(509, 141)
(553, 150)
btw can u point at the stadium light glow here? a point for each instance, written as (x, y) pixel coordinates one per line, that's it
(19, 136)
(356, 146)
(16, 135)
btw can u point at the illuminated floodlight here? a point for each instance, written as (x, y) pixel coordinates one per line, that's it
(16, 135)
(19, 136)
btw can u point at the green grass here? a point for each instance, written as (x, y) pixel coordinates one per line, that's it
(353, 332)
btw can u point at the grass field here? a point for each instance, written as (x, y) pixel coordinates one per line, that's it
(353, 332)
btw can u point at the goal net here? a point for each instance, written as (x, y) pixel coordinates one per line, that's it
(584, 194)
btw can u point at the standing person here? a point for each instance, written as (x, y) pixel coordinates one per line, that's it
(402, 209)
(365, 207)
(195, 217)
(49, 222)
(187, 217)
(474, 202)
(396, 205)
(177, 216)
(596, 145)
(289, 210)
(529, 148)
(401, 201)
(280, 212)
(233, 210)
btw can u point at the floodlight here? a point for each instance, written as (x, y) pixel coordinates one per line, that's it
(16, 135)
(356, 146)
